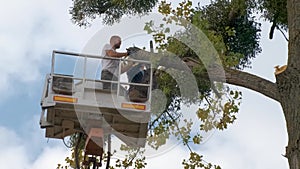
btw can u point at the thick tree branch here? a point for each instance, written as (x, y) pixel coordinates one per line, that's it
(247, 80)
(252, 82)
(217, 73)
(239, 78)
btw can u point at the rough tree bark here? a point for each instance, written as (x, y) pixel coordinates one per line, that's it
(289, 86)
(244, 79)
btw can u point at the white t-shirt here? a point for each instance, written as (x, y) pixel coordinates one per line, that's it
(109, 64)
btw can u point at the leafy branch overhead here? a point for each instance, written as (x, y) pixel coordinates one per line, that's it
(85, 11)
(231, 28)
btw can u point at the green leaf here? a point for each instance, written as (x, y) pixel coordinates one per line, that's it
(167, 30)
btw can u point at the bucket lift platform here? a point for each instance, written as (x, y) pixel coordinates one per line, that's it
(72, 104)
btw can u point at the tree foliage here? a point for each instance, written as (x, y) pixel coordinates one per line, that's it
(276, 12)
(233, 20)
(84, 11)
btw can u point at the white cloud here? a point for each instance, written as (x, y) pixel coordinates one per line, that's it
(49, 158)
(12, 153)
(172, 159)
(16, 152)
(30, 30)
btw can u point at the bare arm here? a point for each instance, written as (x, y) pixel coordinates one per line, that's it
(112, 53)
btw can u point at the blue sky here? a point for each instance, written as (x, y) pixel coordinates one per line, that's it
(31, 29)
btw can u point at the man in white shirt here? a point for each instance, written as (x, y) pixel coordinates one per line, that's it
(110, 67)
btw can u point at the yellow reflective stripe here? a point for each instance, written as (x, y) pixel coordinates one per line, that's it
(65, 99)
(134, 106)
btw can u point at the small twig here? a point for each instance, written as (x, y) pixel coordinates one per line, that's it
(176, 125)
(134, 156)
(155, 120)
(205, 97)
(284, 35)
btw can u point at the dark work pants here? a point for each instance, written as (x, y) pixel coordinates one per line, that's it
(107, 75)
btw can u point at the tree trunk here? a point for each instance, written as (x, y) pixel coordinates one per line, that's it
(289, 91)
(288, 84)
